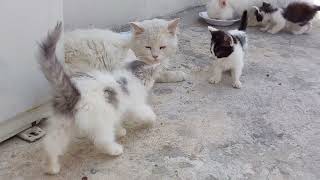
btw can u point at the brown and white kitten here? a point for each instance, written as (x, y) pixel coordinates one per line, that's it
(228, 49)
(295, 18)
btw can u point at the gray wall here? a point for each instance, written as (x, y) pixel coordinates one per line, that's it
(22, 24)
(103, 13)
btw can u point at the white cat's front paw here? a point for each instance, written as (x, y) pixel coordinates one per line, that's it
(237, 84)
(121, 132)
(272, 32)
(114, 149)
(53, 169)
(214, 80)
(180, 76)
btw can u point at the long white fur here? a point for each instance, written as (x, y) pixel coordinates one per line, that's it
(105, 50)
(97, 119)
(215, 10)
(95, 49)
(233, 62)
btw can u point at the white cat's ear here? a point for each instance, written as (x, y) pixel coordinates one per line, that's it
(136, 28)
(212, 29)
(172, 26)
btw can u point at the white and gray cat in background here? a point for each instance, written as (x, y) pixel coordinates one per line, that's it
(295, 18)
(228, 49)
(229, 9)
(153, 42)
(91, 103)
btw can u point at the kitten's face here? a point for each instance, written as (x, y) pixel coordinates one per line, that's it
(222, 43)
(155, 40)
(263, 13)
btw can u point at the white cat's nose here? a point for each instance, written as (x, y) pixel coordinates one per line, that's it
(155, 57)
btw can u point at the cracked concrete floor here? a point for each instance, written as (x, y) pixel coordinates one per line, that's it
(270, 129)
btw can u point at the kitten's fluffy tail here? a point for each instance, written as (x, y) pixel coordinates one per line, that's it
(317, 8)
(67, 95)
(244, 21)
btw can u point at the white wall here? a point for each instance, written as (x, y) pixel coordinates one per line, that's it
(22, 86)
(102, 13)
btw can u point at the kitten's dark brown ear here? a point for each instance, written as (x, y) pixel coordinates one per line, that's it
(137, 29)
(265, 4)
(173, 26)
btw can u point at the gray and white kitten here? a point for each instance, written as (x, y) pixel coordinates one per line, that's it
(93, 103)
(295, 18)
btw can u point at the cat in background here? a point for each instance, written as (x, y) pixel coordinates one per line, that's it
(153, 42)
(228, 9)
(295, 18)
(93, 104)
(228, 49)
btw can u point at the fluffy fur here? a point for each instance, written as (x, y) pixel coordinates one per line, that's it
(216, 9)
(93, 103)
(228, 49)
(294, 18)
(220, 9)
(153, 42)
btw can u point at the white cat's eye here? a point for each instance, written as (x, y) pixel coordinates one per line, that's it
(163, 47)
(148, 47)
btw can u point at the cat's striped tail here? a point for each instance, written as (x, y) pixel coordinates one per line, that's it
(244, 21)
(66, 93)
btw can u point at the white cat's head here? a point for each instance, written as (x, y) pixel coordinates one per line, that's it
(154, 41)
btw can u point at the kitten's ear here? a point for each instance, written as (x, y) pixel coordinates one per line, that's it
(212, 29)
(265, 4)
(137, 29)
(173, 25)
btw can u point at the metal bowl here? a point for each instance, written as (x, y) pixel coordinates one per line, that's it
(217, 22)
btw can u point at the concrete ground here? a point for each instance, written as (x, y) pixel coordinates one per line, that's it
(270, 129)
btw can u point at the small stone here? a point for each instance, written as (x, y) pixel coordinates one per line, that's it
(84, 178)
(280, 84)
(268, 75)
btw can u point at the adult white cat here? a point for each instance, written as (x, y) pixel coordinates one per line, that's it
(153, 42)
(93, 103)
(227, 9)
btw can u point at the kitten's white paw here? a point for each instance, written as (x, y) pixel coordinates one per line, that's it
(53, 169)
(180, 76)
(263, 29)
(214, 80)
(272, 32)
(148, 117)
(121, 132)
(114, 149)
(237, 84)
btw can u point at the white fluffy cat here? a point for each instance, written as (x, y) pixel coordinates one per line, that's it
(228, 49)
(220, 9)
(93, 103)
(226, 8)
(153, 42)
